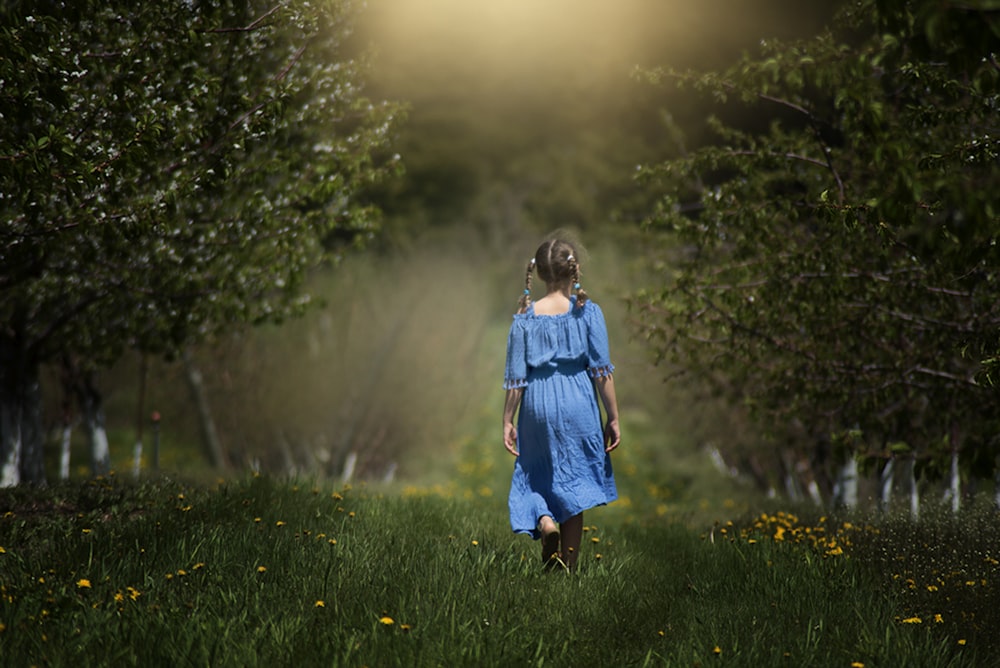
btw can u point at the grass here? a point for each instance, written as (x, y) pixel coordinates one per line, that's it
(263, 572)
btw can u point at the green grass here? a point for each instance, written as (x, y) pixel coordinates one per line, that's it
(108, 572)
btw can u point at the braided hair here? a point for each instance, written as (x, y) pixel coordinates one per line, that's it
(556, 263)
(525, 301)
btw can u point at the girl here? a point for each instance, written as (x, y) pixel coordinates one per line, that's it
(557, 354)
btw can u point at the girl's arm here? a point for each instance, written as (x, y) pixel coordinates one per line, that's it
(612, 432)
(510, 406)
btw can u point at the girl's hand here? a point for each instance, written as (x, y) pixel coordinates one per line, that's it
(510, 438)
(612, 435)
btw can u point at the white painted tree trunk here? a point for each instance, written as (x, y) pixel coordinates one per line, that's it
(210, 436)
(845, 488)
(10, 432)
(349, 463)
(913, 491)
(137, 459)
(92, 411)
(64, 452)
(954, 491)
(886, 481)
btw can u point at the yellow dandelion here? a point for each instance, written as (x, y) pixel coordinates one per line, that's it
(961, 641)
(320, 604)
(83, 583)
(350, 514)
(2, 551)
(405, 628)
(595, 539)
(169, 576)
(932, 588)
(279, 523)
(475, 543)
(85, 531)
(119, 597)
(717, 650)
(261, 569)
(3, 627)
(332, 541)
(913, 620)
(857, 664)
(257, 520)
(752, 541)
(597, 556)
(938, 619)
(388, 621)
(198, 566)
(337, 497)
(133, 593)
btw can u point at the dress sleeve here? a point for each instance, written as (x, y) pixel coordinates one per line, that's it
(598, 353)
(516, 372)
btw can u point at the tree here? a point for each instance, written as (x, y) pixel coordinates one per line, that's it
(831, 259)
(168, 170)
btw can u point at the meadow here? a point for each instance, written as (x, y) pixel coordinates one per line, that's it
(265, 571)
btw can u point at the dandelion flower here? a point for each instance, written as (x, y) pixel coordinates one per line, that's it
(83, 583)
(85, 531)
(257, 520)
(261, 569)
(961, 641)
(133, 593)
(405, 628)
(279, 523)
(857, 664)
(913, 620)
(198, 566)
(938, 619)
(717, 650)
(350, 514)
(595, 539)
(320, 604)
(119, 597)
(475, 543)
(332, 541)
(388, 621)
(2, 551)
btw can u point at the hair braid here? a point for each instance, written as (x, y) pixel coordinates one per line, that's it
(525, 301)
(581, 294)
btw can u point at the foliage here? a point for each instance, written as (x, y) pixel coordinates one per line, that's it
(830, 259)
(171, 169)
(174, 167)
(261, 571)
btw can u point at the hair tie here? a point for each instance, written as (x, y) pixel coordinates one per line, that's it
(576, 286)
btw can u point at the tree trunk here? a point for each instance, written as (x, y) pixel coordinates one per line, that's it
(21, 437)
(64, 452)
(845, 489)
(886, 480)
(92, 411)
(954, 491)
(210, 437)
(913, 491)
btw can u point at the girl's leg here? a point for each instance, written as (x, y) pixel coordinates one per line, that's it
(550, 538)
(572, 535)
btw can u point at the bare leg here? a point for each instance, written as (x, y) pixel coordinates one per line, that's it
(550, 539)
(572, 535)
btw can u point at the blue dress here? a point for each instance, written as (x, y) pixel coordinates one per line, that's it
(562, 468)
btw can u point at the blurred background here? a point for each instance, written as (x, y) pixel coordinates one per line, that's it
(523, 117)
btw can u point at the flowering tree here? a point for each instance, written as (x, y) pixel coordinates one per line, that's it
(832, 261)
(168, 169)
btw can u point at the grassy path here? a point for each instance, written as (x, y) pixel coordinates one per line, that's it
(271, 573)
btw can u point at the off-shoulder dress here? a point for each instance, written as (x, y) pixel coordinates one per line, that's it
(562, 468)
